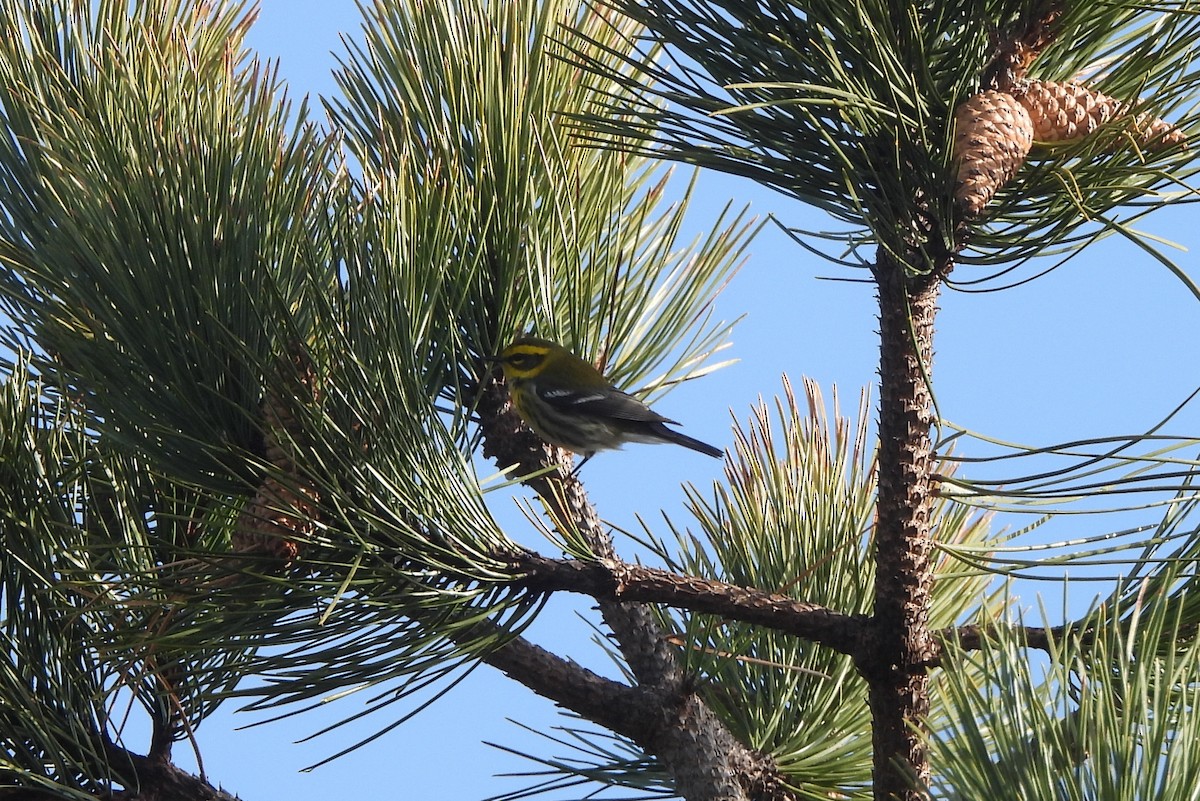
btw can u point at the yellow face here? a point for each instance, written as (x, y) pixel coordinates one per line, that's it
(524, 357)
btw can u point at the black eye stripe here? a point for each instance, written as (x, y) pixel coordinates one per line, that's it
(524, 361)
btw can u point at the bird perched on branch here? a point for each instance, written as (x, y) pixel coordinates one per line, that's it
(569, 403)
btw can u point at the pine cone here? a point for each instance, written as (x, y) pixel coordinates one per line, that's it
(1158, 134)
(1062, 112)
(274, 520)
(295, 380)
(992, 137)
(993, 131)
(279, 518)
(1065, 111)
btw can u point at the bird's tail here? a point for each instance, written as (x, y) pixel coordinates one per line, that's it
(689, 442)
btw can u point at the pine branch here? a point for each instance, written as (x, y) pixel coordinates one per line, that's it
(973, 638)
(646, 715)
(615, 580)
(1046, 638)
(641, 641)
(158, 779)
(705, 759)
(608, 703)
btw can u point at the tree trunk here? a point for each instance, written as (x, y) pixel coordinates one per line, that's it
(901, 647)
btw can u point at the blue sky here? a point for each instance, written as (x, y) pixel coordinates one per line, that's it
(1100, 345)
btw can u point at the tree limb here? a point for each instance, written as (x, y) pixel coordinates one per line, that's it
(971, 638)
(707, 762)
(160, 780)
(612, 579)
(649, 716)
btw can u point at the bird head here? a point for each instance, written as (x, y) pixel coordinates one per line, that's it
(531, 357)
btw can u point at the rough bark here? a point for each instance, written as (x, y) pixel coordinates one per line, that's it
(901, 646)
(162, 781)
(705, 759)
(612, 579)
(660, 723)
(609, 703)
(158, 779)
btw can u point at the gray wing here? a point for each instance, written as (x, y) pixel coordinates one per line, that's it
(611, 402)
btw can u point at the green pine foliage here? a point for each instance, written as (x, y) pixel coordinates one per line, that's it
(175, 232)
(849, 107)
(209, 291)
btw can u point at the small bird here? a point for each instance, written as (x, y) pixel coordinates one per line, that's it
(570, 403)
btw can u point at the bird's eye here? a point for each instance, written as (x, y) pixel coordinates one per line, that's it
(524, 361)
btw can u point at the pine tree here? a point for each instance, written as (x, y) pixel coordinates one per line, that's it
(250, 390)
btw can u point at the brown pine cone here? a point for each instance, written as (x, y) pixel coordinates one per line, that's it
(1062, 112)
(992, 137)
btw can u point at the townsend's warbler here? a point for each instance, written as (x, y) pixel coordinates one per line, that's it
(569, 403)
